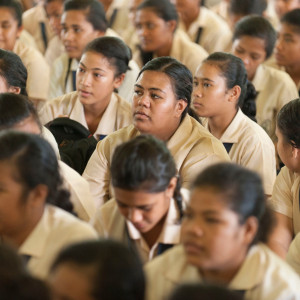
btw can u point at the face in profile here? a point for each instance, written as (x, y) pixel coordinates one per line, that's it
(251, 50)
(77, 32)
(154, 33)
(95, 80)
(287, 48)
(212, 236)
(10, 30)
(156, 110)
(210, 94)
(54, 11)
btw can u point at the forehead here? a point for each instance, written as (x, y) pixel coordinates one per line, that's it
(252, 43)
(93, 60)
(76, 17)
(209, 70)
(7, 13)
(147, 13)
(286, 28)
(155, 79)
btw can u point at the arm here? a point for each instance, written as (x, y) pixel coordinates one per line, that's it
(282, 235)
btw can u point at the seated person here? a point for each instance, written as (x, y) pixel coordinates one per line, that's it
(95, 105)
(160, 103)
(97, 270)
(220, 89)
(146, 211)
(285, 198)
(253, 42)
(284, 6)
(203, 26)
(31, 216)
(223, 232)
(37, 67)
(287, 50)
(83, 21)
(156, 22)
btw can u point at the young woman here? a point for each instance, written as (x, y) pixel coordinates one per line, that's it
(97, 270)
(223, 231)
(101, 71)
(82, 21)
(147, 206)
(160, 104)
(220, 88)
(156, 22)
(287, 47)
(285, 198)
(38, 69)
(31, 194)
(253, 42)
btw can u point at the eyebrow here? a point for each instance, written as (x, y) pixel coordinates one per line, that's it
(95, 69)
(150, 89)
(206, 79)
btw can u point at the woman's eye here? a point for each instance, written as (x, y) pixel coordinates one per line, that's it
(187, 215)
(97, 75)
(138, 92)
(212, 220)
(80, 70)
(154, 96)
(196, 83)
(77, 30)
(206, 84)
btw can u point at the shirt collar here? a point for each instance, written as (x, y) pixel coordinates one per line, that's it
(259, 80)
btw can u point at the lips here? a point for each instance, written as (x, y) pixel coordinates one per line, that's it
(193, 248)
(84, 93)
(140, 115)
(70, 48)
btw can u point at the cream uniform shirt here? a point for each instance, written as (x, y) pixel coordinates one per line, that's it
(110, 223)
(252, 148)
(183, 49)
(209, 31)
(61, 81)
(32, 20)
(116, 115)
(55, 230)
(293, 255)
(262, 276)
(192, 147)
(54, 50)
(275, 88)
(285, 198)
(38, 71)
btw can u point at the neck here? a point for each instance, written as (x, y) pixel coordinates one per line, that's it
(218, 124)
(165, 136)
(294, 72)
(166, 50)
(189, 17)
(17, 238)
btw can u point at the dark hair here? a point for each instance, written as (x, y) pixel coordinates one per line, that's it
(13, 70)
(259, 27)
(233, 70)
(144, 163)
(163, 8)
(49, 1)
(36, 163)
(180, 76)
(114, 49)
(292, 18)
(116, 271)
(196, 291)
(247, 7)
(94, 10)
(14, 109)
(288, 122)
(15, 7)
(242, 190)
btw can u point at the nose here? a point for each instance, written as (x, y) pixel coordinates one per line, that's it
(135, 215)
(143, 100)
(194, 227)
(67, 35)
(197, 91)
(278, 44)
(85, 79)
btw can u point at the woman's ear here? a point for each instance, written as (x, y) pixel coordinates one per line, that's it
(251, 227)
(172, 25)
(171, 187)
(14, 89)
(180, 107)
(295, 152)
(234, 93)
(118, 80)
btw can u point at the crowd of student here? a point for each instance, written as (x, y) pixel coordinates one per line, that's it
(193, 189)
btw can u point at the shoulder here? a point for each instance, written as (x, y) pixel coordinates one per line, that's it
(69, 99)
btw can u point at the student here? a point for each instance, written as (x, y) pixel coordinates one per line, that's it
(160, 103)
(156, 22)
(253, 42)
(203, 26)
(287, 49)
(284, 6)
(97, 270)
(146, 211)
(33, 221)
(82, 21)
(36, 23)
(220, 88)
(55, 48)
(101, 71)
(38, 70)
(19, 114)
(285, 198)
(223, 232)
